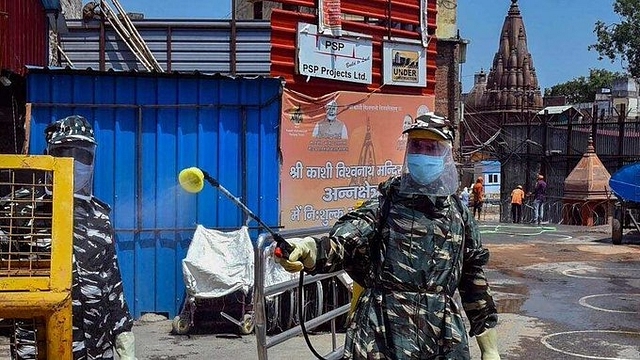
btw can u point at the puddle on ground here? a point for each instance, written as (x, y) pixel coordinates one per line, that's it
(509, 296)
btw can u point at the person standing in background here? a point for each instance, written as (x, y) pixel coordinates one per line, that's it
(539, 193)
(464, 196)
(517, 197)
(478, 196)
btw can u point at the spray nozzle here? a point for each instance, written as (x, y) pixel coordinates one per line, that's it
(192, 180)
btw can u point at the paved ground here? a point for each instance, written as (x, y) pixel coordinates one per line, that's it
(563, 292)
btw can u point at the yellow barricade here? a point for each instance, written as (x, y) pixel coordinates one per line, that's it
(35, 279)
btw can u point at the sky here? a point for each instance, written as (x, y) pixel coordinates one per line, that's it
(558, 31)
(558, 34)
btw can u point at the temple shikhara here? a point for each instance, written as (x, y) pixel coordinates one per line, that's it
(509, 93)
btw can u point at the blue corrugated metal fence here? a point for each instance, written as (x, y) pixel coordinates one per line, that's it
(149, 127)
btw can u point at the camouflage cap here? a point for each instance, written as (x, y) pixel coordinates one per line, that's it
(436, 124)
(71, 128)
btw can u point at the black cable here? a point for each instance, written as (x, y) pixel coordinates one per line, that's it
(301, 315)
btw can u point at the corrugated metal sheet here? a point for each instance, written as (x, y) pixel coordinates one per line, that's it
(177, 45)
(23, 34)
(148, 128)
(403, 14)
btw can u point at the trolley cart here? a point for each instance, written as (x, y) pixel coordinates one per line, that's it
(218, 276)
(625, 184)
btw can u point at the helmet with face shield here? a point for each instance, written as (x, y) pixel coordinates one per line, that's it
(73, 137)
(429, 167)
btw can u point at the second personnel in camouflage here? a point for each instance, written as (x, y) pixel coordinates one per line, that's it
(101, 317)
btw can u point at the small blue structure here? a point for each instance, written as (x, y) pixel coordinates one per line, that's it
(625, 183)
(489, 170)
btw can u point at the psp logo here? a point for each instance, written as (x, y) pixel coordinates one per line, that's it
(333, 45)
(310, 68)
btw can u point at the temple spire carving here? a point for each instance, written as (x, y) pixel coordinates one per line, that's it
(512, 84)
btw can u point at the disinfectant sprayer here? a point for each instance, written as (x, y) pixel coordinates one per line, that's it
(192, 180)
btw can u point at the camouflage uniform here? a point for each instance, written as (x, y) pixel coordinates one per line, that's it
(20, 205)
(428, 247)
(29, 211)
(100, 312)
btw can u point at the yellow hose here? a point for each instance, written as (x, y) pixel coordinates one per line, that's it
(357, 289)
(355, 295)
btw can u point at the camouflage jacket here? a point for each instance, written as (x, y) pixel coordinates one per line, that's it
(99, 308)
(426, 249)
(25, 224)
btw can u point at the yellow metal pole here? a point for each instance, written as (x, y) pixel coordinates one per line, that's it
(60, 332)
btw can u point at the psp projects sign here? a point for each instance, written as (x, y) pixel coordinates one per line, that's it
(347, 58)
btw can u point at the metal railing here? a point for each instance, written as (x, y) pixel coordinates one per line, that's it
(558, 211)
(36, 237)
(263, 250)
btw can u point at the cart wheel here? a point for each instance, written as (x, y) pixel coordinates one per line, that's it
(247, 324)
(180, 325)
(616, 232)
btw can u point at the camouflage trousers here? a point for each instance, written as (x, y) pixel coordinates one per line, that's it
(405, 326)
(100, 312)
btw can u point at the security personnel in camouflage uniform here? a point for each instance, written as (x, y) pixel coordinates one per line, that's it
(411, 249)
(101, 318)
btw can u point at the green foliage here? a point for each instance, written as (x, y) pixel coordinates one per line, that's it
(584, 89)
(621, 40)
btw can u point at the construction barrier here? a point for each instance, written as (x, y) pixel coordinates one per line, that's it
(316, 309)
(36, 244)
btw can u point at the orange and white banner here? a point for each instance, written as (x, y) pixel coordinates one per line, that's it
(337, 149)
(329, 17)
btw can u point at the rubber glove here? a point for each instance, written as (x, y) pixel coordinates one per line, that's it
(126, 346)
(303, 255)
(488, 343)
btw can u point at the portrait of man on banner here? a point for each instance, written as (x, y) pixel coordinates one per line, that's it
(331, 127)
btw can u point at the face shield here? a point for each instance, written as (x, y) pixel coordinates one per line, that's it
(83, 154)
(429, 168)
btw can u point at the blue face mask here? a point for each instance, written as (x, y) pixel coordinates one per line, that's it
(425, 169)
(83, 174)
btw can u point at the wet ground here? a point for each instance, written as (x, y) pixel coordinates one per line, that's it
(563, 292)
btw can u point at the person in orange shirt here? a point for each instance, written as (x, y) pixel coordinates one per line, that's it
(478, 196)
(517, 197)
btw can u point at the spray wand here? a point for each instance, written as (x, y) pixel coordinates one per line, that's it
(192, 180)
